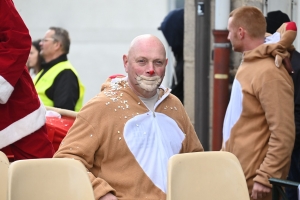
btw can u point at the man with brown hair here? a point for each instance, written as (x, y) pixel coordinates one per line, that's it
(259, 123)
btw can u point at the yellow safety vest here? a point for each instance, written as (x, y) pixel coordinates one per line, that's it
(47, 80)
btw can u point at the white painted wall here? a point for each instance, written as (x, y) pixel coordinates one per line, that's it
(296, 18)
(100, 31)
(283, 5)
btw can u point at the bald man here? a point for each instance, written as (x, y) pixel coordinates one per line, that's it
(125, 135)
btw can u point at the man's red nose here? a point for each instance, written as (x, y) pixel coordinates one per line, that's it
(151, 72)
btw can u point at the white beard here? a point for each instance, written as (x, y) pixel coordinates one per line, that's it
(148, 83)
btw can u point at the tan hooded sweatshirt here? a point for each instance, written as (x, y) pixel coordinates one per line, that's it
(259, 123)
(124, 145)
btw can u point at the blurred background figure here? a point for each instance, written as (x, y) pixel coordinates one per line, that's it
(58, 84)
(34, 59)
(274, 20)
(172, 29)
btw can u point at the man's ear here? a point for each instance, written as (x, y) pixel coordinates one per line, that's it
(125, 62)
(166, 62)
(241, 32)
(57, 45)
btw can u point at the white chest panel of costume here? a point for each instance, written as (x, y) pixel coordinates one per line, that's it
(233, 111)
(153, 140)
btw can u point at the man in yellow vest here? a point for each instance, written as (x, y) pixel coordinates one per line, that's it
(58, 84)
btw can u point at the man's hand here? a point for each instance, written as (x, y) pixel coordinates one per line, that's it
(259, 191)
(108, 196)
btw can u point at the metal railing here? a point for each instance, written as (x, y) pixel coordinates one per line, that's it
(277, 190)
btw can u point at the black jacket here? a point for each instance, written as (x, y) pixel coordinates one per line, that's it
(296, 79)
(64, 91)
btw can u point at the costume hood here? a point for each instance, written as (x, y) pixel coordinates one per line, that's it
(277, 45)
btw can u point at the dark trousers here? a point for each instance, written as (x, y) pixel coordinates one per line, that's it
(294, 175)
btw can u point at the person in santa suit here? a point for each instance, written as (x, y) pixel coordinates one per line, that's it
(22, 118)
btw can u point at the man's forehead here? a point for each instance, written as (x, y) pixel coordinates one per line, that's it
(229, 20)
(50, 32)
(149, 53)
(147, 56)
(146, 42)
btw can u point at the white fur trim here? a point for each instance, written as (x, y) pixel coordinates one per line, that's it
(23, 127)
(5, 90)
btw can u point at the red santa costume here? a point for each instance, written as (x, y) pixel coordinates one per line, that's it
(22, 116)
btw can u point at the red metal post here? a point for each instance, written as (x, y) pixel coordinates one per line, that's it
(221, 83)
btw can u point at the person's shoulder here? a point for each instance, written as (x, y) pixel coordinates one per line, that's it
(66, 75)
(94, 108)
(99, 107)
(114, 83)
(108, 90)
(174, 100)
(162, 91)
(270, 70)
(66, 67)
(97, 100)
(67, 72)
(272, 73)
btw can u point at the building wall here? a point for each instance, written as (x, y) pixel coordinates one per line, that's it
(100, 31)
(189, 58)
